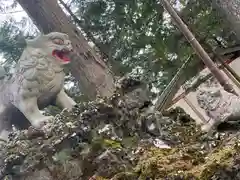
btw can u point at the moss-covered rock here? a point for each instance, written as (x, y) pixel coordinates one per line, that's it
(116, 139)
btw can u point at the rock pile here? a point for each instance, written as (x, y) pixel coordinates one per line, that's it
(116, 139)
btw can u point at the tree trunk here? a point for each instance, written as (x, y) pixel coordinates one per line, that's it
(93, 74)
(230, 9)
(104, 49)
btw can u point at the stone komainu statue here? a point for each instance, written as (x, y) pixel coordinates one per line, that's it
(37, 82)
(219, 105)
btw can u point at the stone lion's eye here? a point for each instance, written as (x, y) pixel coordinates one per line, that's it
(58, 41)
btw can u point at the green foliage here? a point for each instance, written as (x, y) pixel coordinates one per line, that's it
(10, 44)
(129, 29)
(12, 41)
(137, 34)
(140, 35)
(206, 22)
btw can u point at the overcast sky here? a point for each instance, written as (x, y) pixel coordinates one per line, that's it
(17, 14)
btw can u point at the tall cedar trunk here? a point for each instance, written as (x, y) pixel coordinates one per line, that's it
(86, 66)
(230, 9)
(104, 49)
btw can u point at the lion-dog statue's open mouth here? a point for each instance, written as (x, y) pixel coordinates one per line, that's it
(63, 54)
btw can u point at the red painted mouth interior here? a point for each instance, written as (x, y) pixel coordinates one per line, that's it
(61, 55)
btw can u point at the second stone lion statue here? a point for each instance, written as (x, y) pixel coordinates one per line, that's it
(36, 83)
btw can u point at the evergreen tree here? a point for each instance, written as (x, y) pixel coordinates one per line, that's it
(138, 36)
(229, 10)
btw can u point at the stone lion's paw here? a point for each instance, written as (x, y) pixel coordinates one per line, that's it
(206, 127)
(42, 122)
(210, 126)
(66, 110)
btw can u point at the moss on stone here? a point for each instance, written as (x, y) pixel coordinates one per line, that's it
(110, 139)
(185, 162)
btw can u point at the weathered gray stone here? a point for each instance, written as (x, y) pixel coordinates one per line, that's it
(219, 104)
(37, 82)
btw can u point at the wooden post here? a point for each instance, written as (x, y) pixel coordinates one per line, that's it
(230, 75)
(226, 68)
(168, 93)
(198, 48)
(195, 110)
